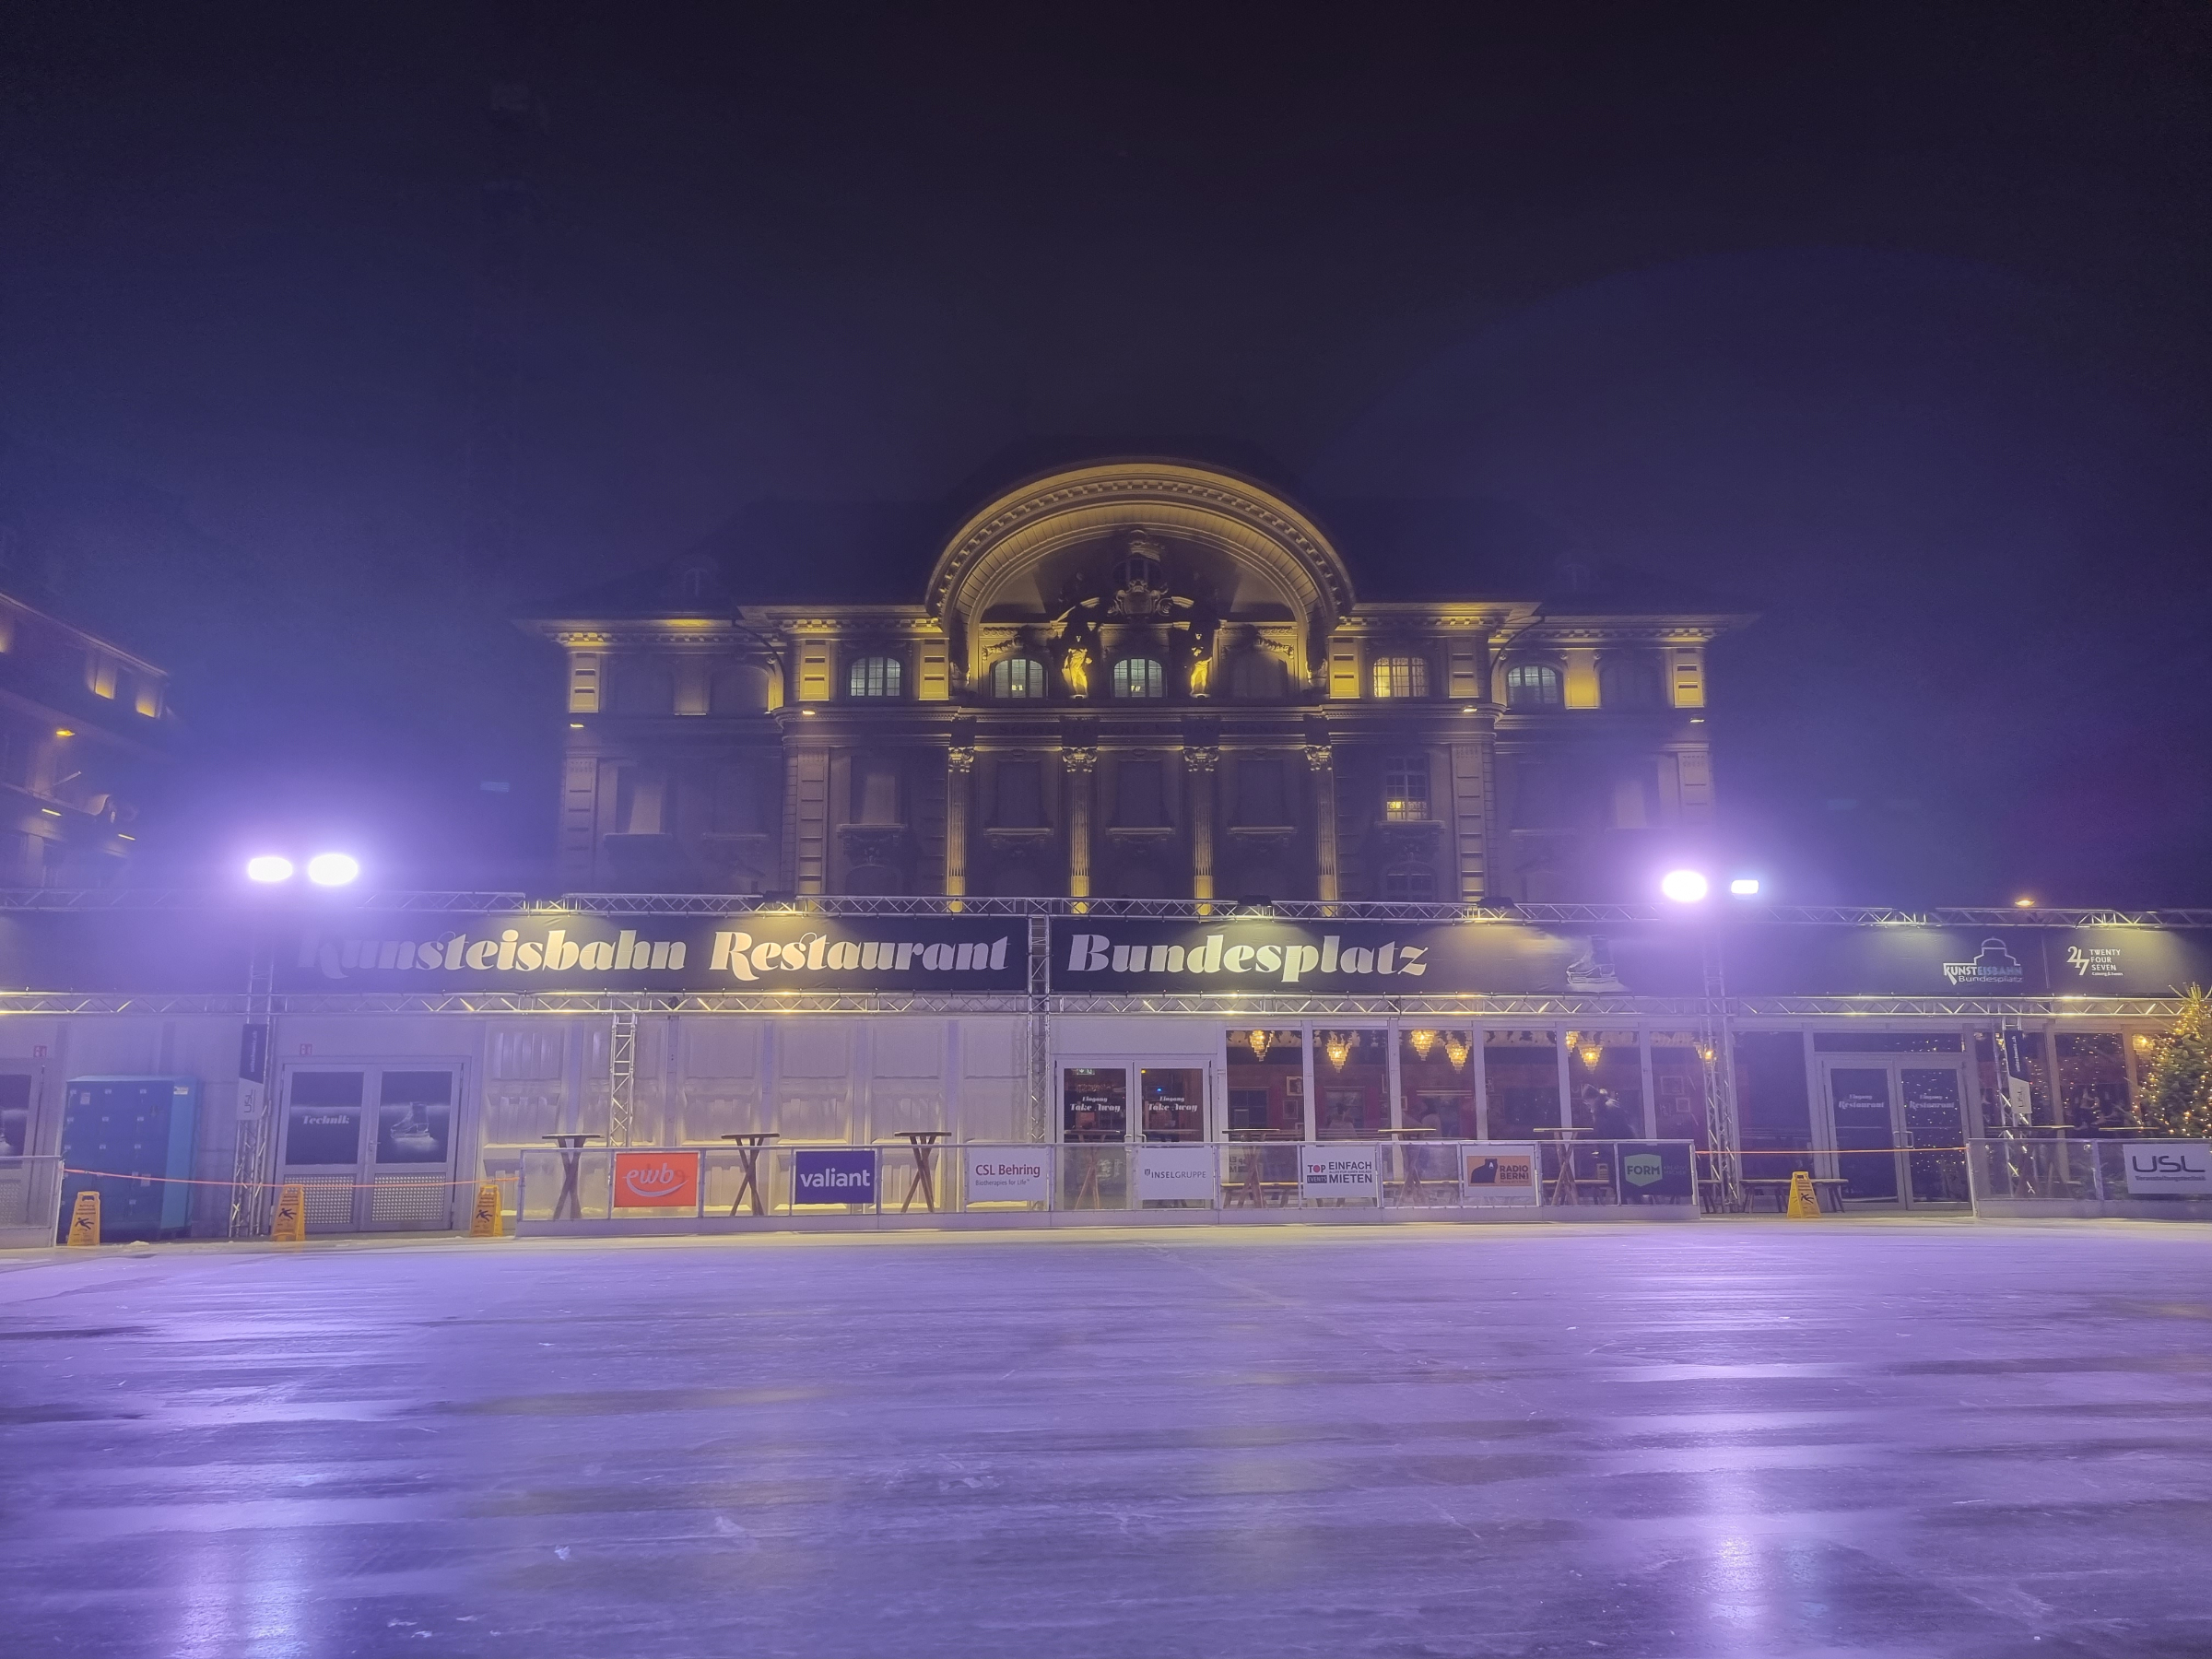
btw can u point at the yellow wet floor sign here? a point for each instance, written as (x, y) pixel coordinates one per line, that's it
(1803, 1201)
(485, 1223)
(290, 1225)
(84, 1221)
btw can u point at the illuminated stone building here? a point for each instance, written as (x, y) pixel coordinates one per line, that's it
(84, 725)
(1131, 678)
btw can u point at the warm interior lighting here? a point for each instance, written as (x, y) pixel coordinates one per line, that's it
(1591, 1054)
(1256, 1041)
(1684, 887)
(1705, 1053)
(63, 732)
(1422, 1043)
(1574, 1038)
(575, 725)
(268, 867)
(1339, 1046)
(50, 812)
(1455, 1050)
(2143, 1042)
(2024, 903)
(333, 869)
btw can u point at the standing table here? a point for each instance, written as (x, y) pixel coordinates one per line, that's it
(569, 1206)
(1563, 1185)
(1409, 1190)
(924, 1143)
(748, 1165)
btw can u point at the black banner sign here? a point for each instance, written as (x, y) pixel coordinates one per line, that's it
(541, 951)
(1110, 956)
(140, 952)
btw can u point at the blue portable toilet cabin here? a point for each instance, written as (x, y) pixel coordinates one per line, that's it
(139, 1132)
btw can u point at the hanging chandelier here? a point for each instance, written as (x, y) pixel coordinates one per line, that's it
(1422, 1043)
(1256, 1041)
(1591, 1053)
(1455, 1050)
(1340, 1045)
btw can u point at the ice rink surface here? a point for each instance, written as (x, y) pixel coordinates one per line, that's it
(1734, 1437)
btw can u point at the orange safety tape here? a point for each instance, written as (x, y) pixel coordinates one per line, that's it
(1819, 1151)
(314, 1180)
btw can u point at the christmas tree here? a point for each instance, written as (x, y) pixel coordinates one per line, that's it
(2177, 1096)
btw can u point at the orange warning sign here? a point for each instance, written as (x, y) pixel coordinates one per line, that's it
(84, 1221)
(485, 1223)
(290, 1225)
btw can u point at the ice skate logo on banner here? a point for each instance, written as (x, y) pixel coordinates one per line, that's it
(1993, 965)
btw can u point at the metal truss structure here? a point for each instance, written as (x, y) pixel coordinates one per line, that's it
(1175, 909)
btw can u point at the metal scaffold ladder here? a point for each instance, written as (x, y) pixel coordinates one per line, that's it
(621, 1080)
(1726, 1178)
(256, 1108)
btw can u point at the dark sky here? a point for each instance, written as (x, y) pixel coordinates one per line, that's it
(330, 338)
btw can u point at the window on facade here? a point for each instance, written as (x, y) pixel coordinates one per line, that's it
(744, 798)
(1406, 789)
(1019, 804)
(1410, 884)
(1532, 686)
(876, 790)
(1016, 678)
(1138, 802)
(1627, 682)
(1261, 798)
(1139, 676)
(1401, 676)
(873, 677)
(641, 801)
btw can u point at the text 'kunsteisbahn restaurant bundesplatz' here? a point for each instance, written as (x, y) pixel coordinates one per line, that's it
(1132, 864)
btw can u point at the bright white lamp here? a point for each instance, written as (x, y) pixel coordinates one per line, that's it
(268, 866)
(333, 869)
(1684, 887)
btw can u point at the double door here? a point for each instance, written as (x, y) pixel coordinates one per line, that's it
(373, 1145)
(1899, 1127)
(1108, 1099)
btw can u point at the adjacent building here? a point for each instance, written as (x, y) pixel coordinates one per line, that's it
(85, 727)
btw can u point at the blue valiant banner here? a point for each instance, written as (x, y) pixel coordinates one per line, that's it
(563, 951)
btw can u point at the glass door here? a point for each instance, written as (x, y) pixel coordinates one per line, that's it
(1094, 1124)
(1934, 1127)
(1859, 1098)
(373, 1146)
(1899, 1130)
(1173, 1101)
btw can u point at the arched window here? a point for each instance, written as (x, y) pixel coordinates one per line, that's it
(1139, 676)
(873, 677)
(1401, 676)
(1532, 686)
(1016, 678)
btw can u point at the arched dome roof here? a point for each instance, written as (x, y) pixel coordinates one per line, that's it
(1263, 556)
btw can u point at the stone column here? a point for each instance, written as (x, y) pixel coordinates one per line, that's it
(1320, 759)
(1076, 764)
(959, 760)
(1199, 762)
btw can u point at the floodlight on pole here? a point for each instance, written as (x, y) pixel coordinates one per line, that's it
(268, 866)
(1684, 887)
(333, 869)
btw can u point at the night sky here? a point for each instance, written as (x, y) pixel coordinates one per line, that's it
(330, 340)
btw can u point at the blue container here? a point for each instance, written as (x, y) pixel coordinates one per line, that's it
(139, 1130)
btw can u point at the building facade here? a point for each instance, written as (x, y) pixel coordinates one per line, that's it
(1128, 679)
(85, 725)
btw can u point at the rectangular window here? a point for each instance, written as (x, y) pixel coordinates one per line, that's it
(1138, 800)
(1406, 789)
(1262, 801)
(1401, 676)
(1020, 794)
(876, 790)
(641, 801)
